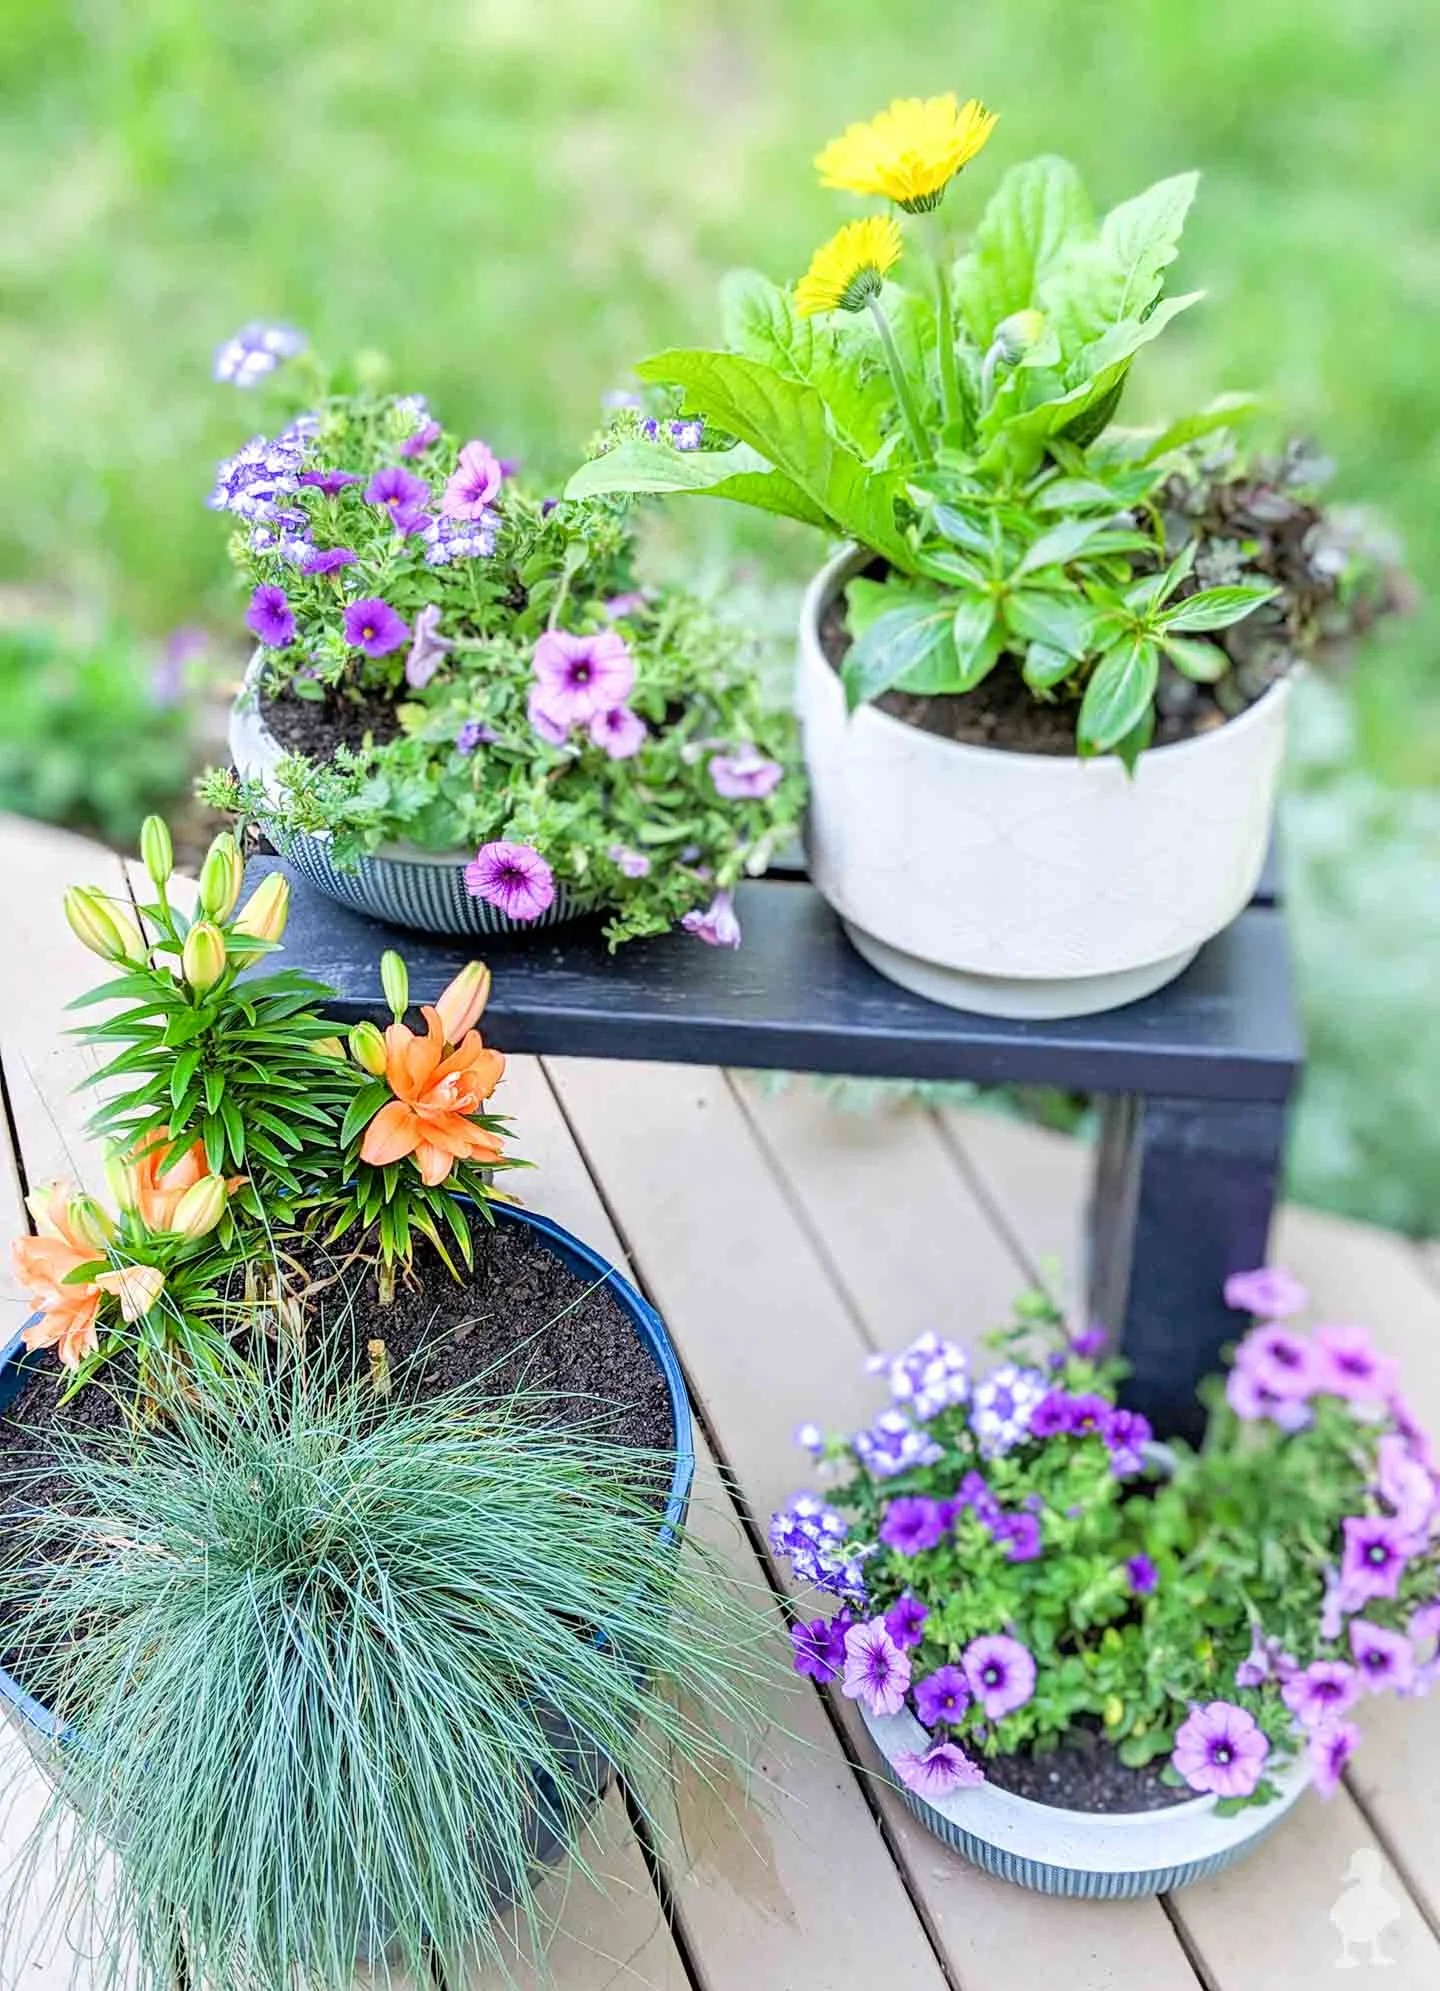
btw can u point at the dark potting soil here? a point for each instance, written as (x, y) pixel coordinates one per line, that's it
(1085, 1775)
(522, 1319)
(317, 727)
(1003, 712)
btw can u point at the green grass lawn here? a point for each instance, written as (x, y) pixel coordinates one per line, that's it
(515, 198)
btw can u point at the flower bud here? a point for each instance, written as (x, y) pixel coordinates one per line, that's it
(367, 1047)
(137, 1287)
(156, 850)
(111, 934)
(91, 1223)
(1018, 335)
(202, 960)
(395, 981)
(201, 1207)
(121, 1182)
(221, 876)
(266, 910)
(329, 1047)
(459, 1005)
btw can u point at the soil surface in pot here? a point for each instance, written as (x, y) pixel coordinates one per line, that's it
(1085, 1775)
(521, 1319)
(1002, 712)
(317, 727)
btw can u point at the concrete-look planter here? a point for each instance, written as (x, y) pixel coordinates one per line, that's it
(1027, 884)
(399, 883)
(1094, 1856)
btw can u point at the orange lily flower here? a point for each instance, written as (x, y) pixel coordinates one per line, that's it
(437, 1088)
(67, 1313)
(155, 1176)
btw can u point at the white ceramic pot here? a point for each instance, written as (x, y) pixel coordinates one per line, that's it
(1027, 884)
(1097, 1856)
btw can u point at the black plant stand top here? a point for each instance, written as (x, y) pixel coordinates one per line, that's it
(1196, 1077)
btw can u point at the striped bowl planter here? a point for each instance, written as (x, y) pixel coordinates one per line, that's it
(1090, 1856)
(399, 883)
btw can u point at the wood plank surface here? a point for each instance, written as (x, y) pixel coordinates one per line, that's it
(767, 1342)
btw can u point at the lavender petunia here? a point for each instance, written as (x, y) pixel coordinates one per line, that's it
(620, 732)
(1351, 1366)
(1251, 1402)
(327, 559)
(819, 1649)
(941, 1696)
(255, 351)
(745, 776)
(1327, 1752)
(635, 864)
(1267, 1293)
(877, 1672)
(1141, 1575)
(330, 483)
(397, 491)
(1384, 1659)
(474, 733)
(1020, 1535)
(513, 877)
(1000, 1673)
(619, 607)
(1126, 1434)
(912, 1524)
(551, 727)
(1323, 1691)
(1221, 1749)
(1405, 1485)
(905, 1621)
(271, 618)
(1424, 1625)
(374, 627)
(717, 925)
(428, 648)
(475, 482)
(1377, 1550)
(582, 676)
(937, 1771)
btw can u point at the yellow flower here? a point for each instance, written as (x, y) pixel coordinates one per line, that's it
(910, 152)
(848, 271)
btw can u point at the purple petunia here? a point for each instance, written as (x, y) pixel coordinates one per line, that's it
(1425, 1623)
(717, 925)
(1002, 1406)
(635, 864)
(1000, 1673)
(929, 1376)
(474, 733)
(544, 720)
(1377, 1549)
(912, 1524)
(374, 627)
(451, 539)
(1221, 1749)
(1383, 1658)
(1089, 1344)
(1141, 1575)
(1126, 1434)
(397, 491)
(581, 676)
(1352, 1367)
(746, 775)
(330, 483)
(619, 607)
(1020, 1534)
(1283, 1364)
(428, 648)
(1266, 1661)
(513, 877)
(1267, 1293)
(905, 1621)
(877, 1672)
(475, 482)
(327, 560)
(941, 1696)
(1250, 1402)
(1327, 1752)
(974, 1492)
(937, 1771)
(1404, 1484)
(254, 352)
(1051, 1416)
(1323, 1691)
(271, 618)
(619, 731)
(819, 1649)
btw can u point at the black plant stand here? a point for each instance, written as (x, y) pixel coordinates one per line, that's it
(1196, 1078)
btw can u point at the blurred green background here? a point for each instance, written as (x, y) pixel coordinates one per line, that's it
(516, 198)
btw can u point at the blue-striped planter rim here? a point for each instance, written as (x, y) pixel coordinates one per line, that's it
(17, 1364)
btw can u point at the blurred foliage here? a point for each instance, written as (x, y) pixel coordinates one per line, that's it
(518, 198)
(84, 738)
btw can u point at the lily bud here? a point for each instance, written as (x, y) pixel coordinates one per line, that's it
(202, 959)
(137, 1287)
(201, 1207)
(329, 1047)
(156, 850)
(221, 876)
(266, 910)
(91, 1223)
(111, 934)
(459, 1006)
(367, 1047)
(1018, 335)
(395, 981)
(120, 1180)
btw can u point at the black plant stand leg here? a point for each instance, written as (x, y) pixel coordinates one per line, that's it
(1182, 1196)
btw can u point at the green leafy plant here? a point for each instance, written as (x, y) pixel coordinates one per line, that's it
(384, 1648)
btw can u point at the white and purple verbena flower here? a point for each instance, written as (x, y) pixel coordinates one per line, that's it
(255, 351)
(814, 1539)
(1002, 1406)
(448, 539)
(893, 1445)
(254, 482)
(929, 1376)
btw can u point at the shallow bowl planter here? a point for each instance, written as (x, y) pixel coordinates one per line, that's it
(44, 1734)
(1029, 885)
(1092, 1856)
(399, 883)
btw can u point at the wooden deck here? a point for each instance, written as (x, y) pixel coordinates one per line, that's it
(783, 1240)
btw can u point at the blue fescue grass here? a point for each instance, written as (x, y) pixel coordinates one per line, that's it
(330, 1665)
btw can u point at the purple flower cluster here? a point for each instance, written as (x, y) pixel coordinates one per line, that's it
(815, 1541)
(254, 352)
(893, 1445)
(255, 482)
(1003, 1405)
(586, 681)
(1125, 1433)
(1278, 1372)
(929, 1376)
(686, 435)
(450, 539)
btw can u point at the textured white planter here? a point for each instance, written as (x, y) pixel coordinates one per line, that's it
(1115, 1856)
(1027, 884)
(400, 883)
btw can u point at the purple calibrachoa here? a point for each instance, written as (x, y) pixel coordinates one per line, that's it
(271, 618)
(374, 627)
(513, 878)
(1023, 1553)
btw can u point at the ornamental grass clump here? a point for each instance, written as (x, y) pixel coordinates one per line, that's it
(950, 405)
(337, 1665)
(451, 662)
(1008, 1556)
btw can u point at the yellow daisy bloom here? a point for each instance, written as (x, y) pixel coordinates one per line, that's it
(849, 269)
(910, 152)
